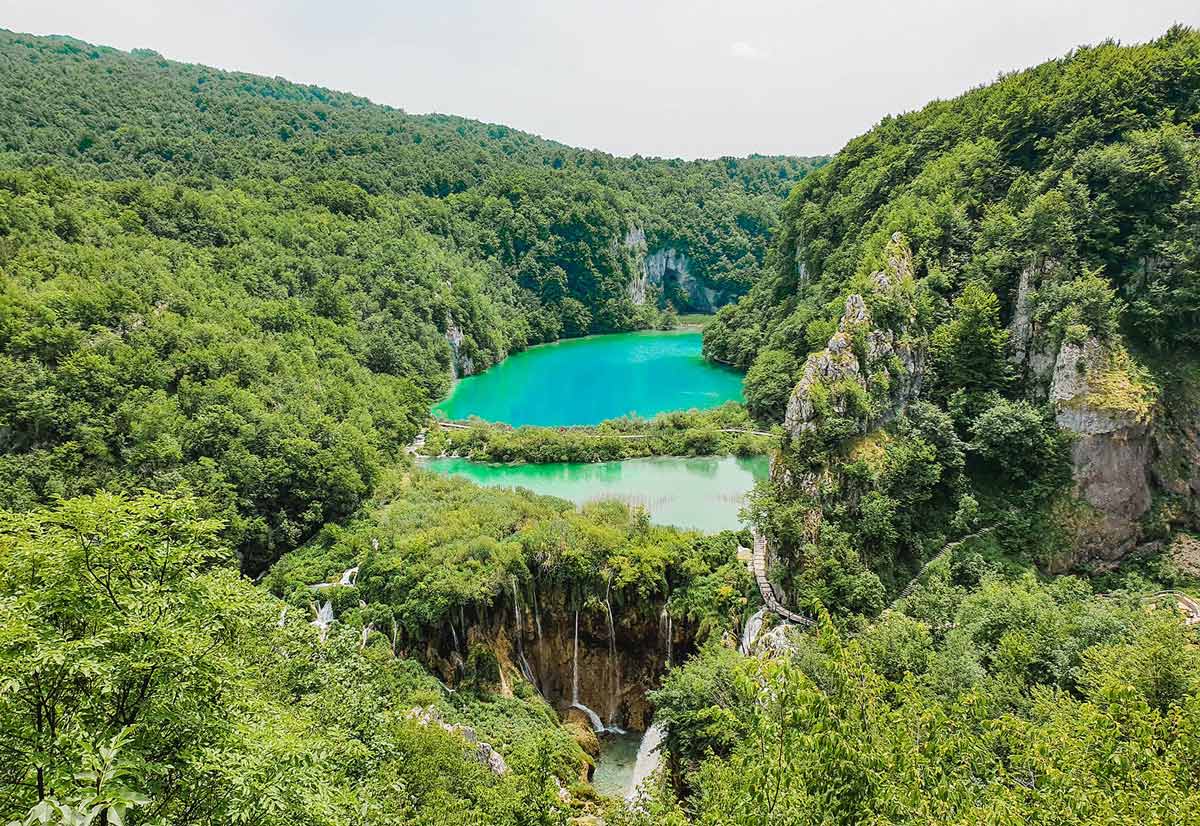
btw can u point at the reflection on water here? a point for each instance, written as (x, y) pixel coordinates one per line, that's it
(703, 493)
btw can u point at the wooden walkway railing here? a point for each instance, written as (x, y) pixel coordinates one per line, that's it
(912, 583)
(585, 431)
(758, 567)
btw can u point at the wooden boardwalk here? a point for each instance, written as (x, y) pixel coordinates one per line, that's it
(912, 583)
(758, 567)
(587, 432)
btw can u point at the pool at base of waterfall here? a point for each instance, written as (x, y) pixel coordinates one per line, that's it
(614, 767)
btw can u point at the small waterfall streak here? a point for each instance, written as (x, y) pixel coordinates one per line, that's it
(648, 758)
(575, 664)
(615, 702)
(324, 619)
(537, 614)
(752, 629)
(665, 633)
(349, 576)
(526, 671)
(593, 718)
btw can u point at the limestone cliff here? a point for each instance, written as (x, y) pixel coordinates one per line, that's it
(666, 275)
(1130, 439)
(574, 658)
(461, 364)
(1099, 399)
(868, 373)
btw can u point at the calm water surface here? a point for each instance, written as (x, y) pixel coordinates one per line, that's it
(584, 381)
(614, 769)
(702, 493)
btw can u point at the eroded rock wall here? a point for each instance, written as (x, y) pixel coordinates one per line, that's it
(667, 275)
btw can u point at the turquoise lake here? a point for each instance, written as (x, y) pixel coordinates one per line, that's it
(701, 493)
(584, 381)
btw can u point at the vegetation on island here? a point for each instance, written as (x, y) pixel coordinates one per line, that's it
(725, 430)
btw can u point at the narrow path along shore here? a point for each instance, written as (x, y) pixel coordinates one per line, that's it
(584, 431)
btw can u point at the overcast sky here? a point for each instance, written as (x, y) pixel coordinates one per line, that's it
(690, 78)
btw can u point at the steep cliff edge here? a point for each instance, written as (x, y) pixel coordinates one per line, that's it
(666, 275)
(1131, 440)
(870, 370)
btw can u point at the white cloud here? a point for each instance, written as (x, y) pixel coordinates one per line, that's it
(747, 51)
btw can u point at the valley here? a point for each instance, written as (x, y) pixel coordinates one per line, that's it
(363, 467)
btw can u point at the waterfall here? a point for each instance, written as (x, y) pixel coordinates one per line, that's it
(283, 617)
(537, 614)
(648, 758)
(753, 627)
(526, 671)
(324, 619)
(613, 664)
(665, 633)
(349, 576)
(454, 634)
(462, 623)
(593, 718)
(575, 664)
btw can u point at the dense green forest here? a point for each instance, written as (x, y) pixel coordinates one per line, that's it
(256, 288)
(229, 595)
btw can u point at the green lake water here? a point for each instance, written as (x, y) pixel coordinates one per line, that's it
(702, 493)
(614, 769)
(584, 381)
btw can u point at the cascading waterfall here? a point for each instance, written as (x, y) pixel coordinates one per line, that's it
(613, 664)
(324, 619)
(537, 614)
(462, 623)
(752, 629)
(648, 758)
(593, 717)
(575, 664)
(526, 671)
(665, 633)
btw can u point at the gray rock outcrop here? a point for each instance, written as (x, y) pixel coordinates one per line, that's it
(460, 364)
(484, 752)
(1111, 453)
(667, 274)
(888, 369)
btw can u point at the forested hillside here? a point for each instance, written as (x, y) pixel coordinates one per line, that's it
(228, 594)
(979, 333)
(981, 301)
(257, 288)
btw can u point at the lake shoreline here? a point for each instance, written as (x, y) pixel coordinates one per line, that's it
(588, 380)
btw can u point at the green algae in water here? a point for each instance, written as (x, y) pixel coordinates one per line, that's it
(584, 381)
(701, 493)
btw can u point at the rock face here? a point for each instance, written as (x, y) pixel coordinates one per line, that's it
(1031, 354)
(1110, 456)
(866, 373)
(667, 275)
(460, 363)
(609, 670)
(484, 752)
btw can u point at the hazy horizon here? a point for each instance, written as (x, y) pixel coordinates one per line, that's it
(666, 78)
